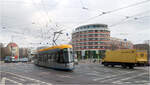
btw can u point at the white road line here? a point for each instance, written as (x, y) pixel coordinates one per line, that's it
(19, 78)
(14, 81)
(4, 81)
(129, 78)
(65, 76)
(112, 76)
(91, 74)
(29, 78)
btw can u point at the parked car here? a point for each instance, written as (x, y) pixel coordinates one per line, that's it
(7, 59)
(10, 59)
(23, 60)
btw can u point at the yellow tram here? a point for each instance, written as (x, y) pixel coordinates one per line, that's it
(56, 57)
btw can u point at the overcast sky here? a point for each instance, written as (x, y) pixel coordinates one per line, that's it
(28, 22)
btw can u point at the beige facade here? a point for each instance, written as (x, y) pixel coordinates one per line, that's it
(23, 52)
(116, 43)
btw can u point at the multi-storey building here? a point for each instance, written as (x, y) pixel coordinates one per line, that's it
(91, 40)
(1, 46)
(23, 52)
(116, 43)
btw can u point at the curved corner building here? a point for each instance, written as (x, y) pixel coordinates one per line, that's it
(91, 41)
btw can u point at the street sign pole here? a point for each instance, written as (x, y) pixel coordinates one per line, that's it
(97, 55)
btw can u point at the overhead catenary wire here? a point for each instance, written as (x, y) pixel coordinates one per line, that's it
(83, 7)
(46, 13)
(115, 10)
(34, 4)
(43, 31)
(46, 31)
(16, 32)
(129, 17)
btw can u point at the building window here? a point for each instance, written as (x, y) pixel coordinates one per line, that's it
(90, 47)
(90, 35)
(96, 35)
(90, 43)
(96, 43)
(90, 31)
(96, 46)
(90, 39)
(96, 30)
(96, 39)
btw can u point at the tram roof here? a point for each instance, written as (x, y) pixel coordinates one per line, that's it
(55, 47)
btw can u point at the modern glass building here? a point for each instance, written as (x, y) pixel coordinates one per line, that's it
(91, 41)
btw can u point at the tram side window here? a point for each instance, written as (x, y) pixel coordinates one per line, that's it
(49, 56)
(53, 57)
(45, 58)
(60, 58)
(40, 58)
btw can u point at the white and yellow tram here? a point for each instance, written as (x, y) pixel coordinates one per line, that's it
(56, 57)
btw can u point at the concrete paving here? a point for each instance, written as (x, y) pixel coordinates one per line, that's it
(26, 74)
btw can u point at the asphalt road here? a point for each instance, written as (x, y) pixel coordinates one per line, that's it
(26, 74)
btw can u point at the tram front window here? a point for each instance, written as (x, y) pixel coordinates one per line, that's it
(71, 57)
(65, 56)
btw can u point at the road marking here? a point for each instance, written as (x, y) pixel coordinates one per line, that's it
(64, 76)
(94, 74)
(3, 82)
(129, 78)
(19, 78)
(111, 76)
(38, 81)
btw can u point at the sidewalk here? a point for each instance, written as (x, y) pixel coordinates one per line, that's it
(1, 62)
